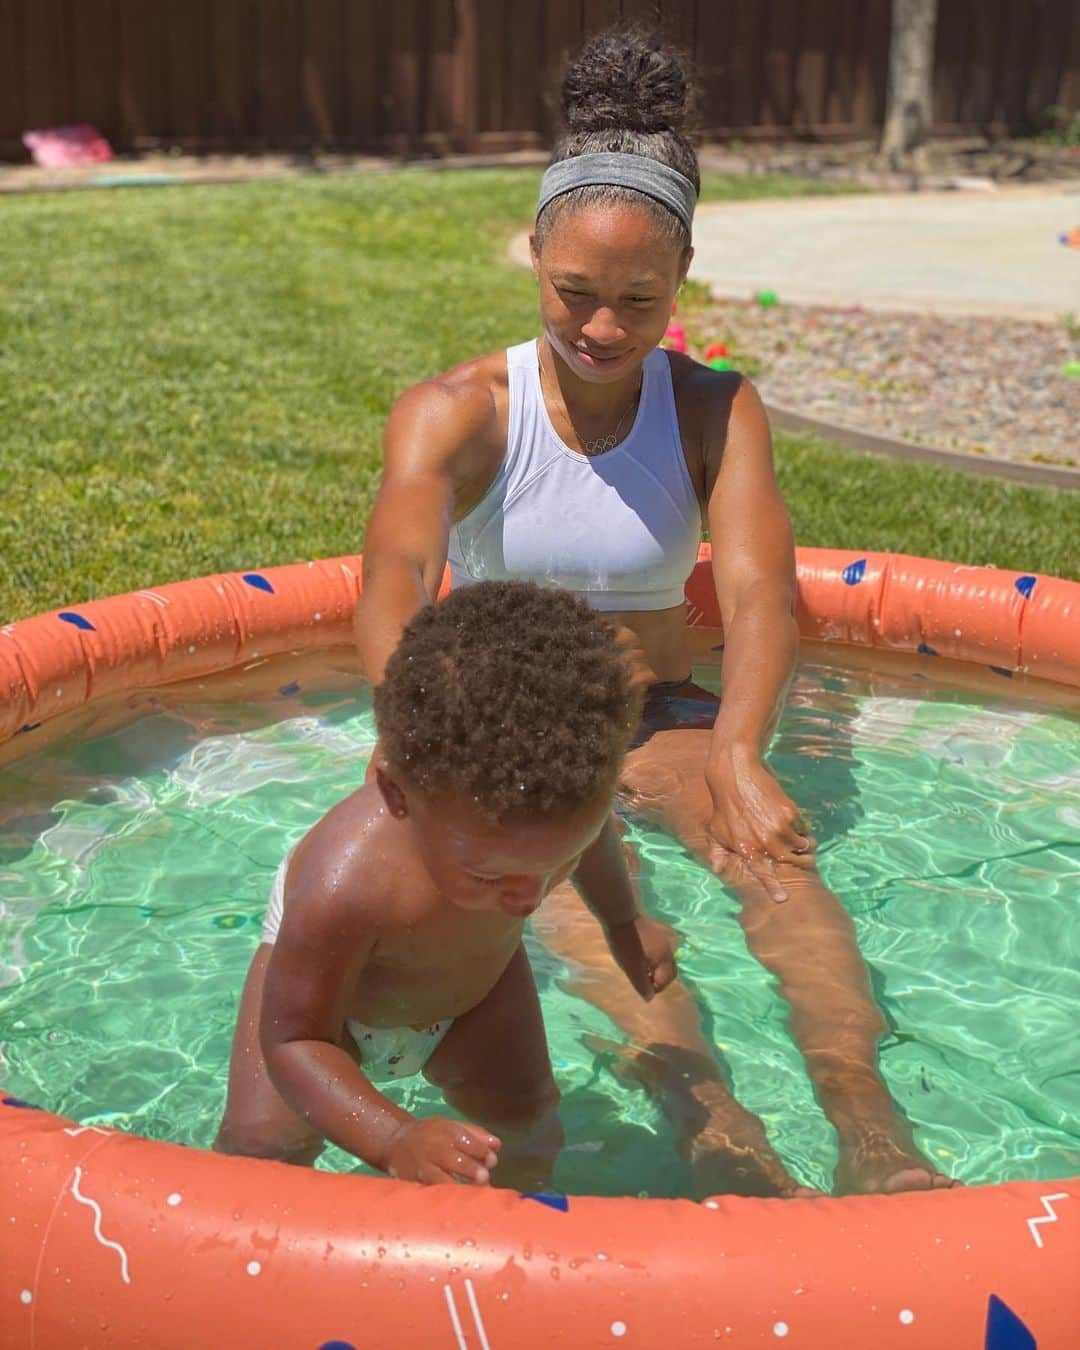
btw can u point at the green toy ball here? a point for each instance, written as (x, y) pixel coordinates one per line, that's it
(766, 299)
(1071, 370)
(719, 363)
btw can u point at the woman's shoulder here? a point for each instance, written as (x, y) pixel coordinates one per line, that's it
(699, 385)
(714, 401)
(470, 393)
(716, 409)
(478, 379)
(455, 419)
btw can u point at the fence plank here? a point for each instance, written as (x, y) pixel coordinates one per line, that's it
(277, 45)
(678, 23)
(562, 30)
(321, 82)
(873, 79)
(714, 63)
(44, 94)
(90, 47)
(189, 43)
(361, 75)
(438, 89)
(600, 14)
(1050, 44)
(525, 72)
(12, 66)
(144, 74)
(643, 12)
(840, 53)
(1020, 26)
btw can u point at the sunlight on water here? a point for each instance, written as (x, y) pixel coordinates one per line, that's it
(134, 869)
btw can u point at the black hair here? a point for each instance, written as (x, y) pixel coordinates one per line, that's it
(627, 92)
(515, 698)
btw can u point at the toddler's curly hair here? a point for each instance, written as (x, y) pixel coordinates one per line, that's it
(515, 697)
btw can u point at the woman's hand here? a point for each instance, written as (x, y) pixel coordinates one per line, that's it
(644, 950)
(438, 1150)
(755, 820)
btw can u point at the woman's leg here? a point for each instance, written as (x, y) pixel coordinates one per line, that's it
(669, 1056)
(809, 944)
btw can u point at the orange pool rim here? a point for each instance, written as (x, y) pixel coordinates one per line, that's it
(109, 1240)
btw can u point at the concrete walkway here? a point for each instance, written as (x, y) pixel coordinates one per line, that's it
(986, 252)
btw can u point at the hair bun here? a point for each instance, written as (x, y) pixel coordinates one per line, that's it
(626, 79)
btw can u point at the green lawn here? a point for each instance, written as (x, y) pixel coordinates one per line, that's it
(195, 379)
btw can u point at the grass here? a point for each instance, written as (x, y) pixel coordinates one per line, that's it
(194, 380)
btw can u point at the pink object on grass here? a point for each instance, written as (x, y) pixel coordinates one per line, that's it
(55, 147)
(675, 338)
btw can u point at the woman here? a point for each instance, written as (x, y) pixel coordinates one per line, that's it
(590, 459)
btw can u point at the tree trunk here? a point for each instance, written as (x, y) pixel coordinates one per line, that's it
(908, 110)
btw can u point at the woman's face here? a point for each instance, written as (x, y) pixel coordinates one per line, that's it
(607, 281)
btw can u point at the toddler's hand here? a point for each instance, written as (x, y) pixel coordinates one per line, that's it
(438, 1150)
(644, 949)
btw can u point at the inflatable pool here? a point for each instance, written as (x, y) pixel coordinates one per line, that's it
(111, 1240)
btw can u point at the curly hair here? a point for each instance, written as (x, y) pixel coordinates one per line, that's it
(515, 697)
(626, 92)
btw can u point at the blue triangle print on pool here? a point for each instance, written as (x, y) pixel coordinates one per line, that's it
(1004, 1330)
(550, 1198)
(1025, 585)
(76, 620)
(853, 573)
(260, 583)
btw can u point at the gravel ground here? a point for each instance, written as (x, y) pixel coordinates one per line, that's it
(987, 386)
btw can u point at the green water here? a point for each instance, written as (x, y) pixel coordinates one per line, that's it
(134, 869)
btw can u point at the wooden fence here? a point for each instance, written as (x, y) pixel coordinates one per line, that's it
(436, 76)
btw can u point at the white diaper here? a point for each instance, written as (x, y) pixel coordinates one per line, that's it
(396, 1052)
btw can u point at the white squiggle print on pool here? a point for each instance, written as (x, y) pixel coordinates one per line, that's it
(1051, 1215)
(105, 1242)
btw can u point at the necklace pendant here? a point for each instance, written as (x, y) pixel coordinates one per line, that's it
(600, 446)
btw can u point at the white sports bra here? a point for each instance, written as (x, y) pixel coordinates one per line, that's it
(621, 529)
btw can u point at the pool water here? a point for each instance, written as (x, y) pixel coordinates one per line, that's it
(134, 869)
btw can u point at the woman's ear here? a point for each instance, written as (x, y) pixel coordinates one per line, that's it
(534, 254)
(684, 265)
(393, 794)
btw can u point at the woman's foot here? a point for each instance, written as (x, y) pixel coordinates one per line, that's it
(884, 1160)
(725, 1144)
(722, 1165)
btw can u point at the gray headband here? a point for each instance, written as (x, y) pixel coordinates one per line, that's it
(667, 186)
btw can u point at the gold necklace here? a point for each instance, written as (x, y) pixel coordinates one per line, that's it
(599, 445)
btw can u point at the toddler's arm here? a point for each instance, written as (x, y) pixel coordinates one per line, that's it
(643, 946)
(318, 958)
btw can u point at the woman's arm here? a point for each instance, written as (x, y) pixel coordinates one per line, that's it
(432, 465)
(754, 572)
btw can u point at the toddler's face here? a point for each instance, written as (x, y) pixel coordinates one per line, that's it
(479, 864)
